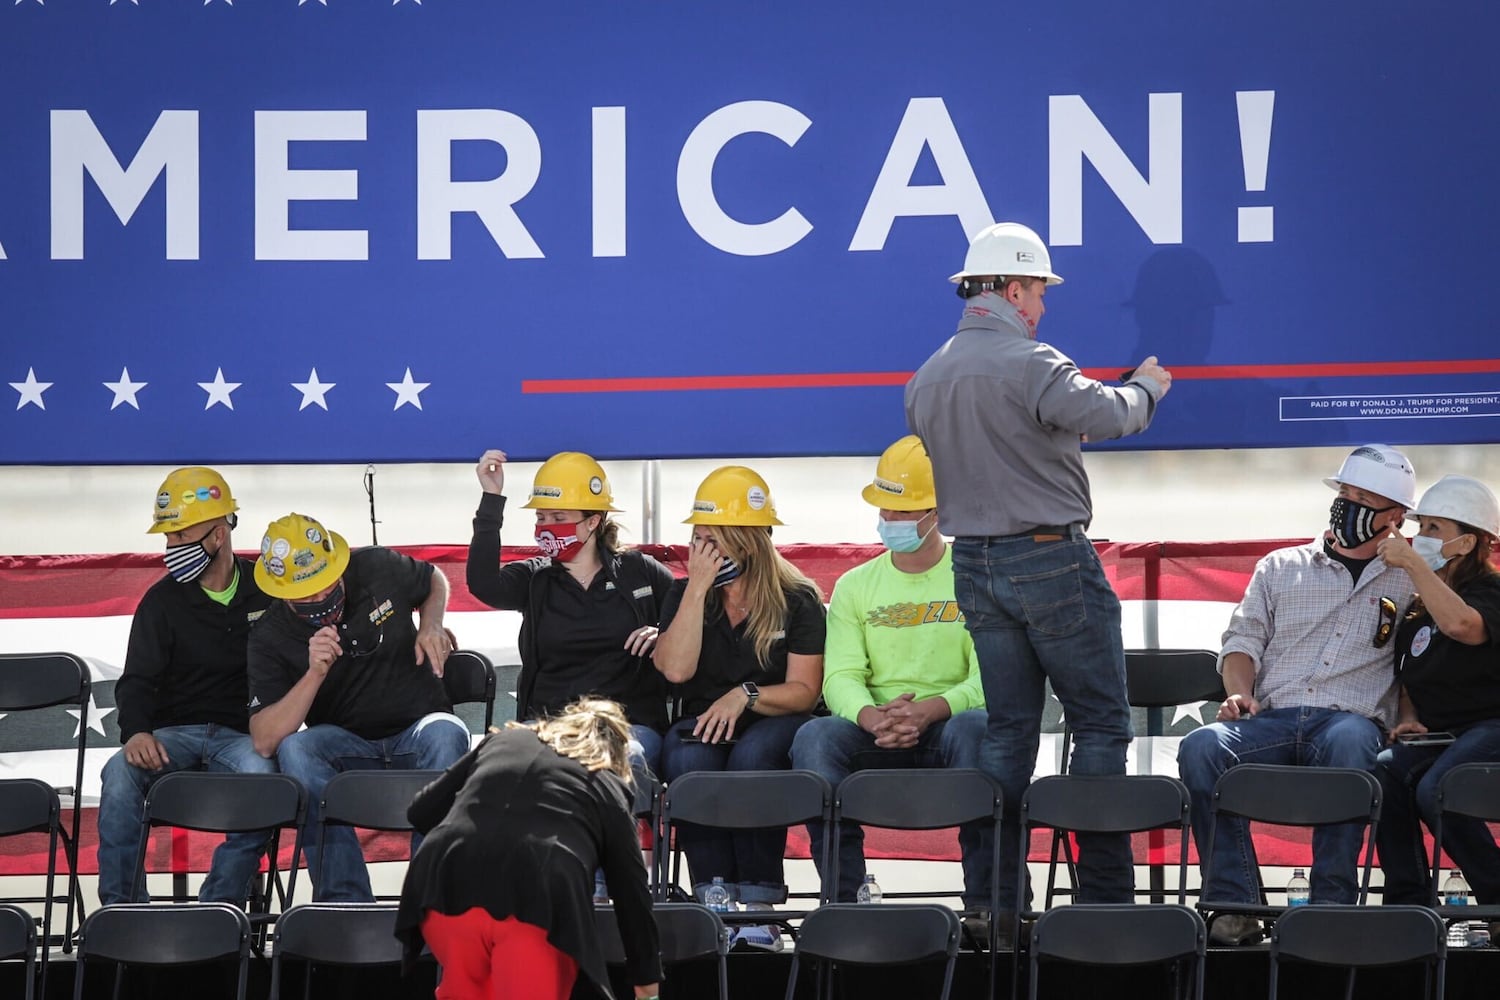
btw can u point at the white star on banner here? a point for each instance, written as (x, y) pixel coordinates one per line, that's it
(31, 390)
(393, 2)
(218, 390)
(407, 391)
(301, 2)
(207, 2)
(125, 390)
(313, 391)
(1192, 710)
(38, 3)
(136, 2)
(96, 717)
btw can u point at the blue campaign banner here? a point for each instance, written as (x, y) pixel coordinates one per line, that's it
(363, 230)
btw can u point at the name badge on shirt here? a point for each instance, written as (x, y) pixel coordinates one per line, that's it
(641, 592)
(1421, 640)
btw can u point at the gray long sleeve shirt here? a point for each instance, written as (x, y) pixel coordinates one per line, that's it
(1002, 416)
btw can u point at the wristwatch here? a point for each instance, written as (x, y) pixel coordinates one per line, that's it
(752, 692)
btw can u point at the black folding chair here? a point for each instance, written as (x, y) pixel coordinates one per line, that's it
(1362, 937)
(342, 934)
(1471, 791)
(1290, 796)
(688, 931)
(469, 677)
(18, 940)
(920, 799)
(370, 800)
(30, 805)
(884, 935)
(217, 802)
(1124, 935)
(744, 800)
(163, 934)
(30, 681)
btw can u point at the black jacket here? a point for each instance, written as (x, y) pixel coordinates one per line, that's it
(517, 829)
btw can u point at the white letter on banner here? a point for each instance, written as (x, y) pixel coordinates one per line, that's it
(171, 147)
(1074, 133)
(277, 185)
(609, 182)
(695, 179)
(440, 197)
(925, 124)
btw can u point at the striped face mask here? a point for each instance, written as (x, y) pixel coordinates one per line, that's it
(728, 570)
(188, 561)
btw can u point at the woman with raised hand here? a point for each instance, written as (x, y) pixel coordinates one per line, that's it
(1448, 662)
(589, 608)
(502, 887)
(742, 638)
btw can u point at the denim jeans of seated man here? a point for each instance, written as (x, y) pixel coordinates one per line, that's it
(835, 748)
(314, 755)
(1312, 737)
(751, 862)
(1040, 608)
(1409, 780)
(122, 804)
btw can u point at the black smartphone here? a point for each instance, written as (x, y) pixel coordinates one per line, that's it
(690, 738)
(1425, 739)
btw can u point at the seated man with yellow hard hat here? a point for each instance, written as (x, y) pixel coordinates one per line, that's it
(182, 693)
(899, 674)
(340, 652)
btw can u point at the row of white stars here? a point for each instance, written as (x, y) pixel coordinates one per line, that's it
(314, 391)
(227, 3)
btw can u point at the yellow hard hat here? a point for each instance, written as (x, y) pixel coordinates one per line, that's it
(299, 557)
(190, 496)
(571, 480)
(733, 495)
(903, 478)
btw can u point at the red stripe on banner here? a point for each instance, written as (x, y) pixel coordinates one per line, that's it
(845, 380)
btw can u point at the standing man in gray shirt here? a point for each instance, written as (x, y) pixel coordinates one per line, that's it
(1004, 418)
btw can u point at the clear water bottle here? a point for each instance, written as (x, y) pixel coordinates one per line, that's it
(1298, 891)
(601, 890)
(869, 891)
(716, 896)
(1456, 893)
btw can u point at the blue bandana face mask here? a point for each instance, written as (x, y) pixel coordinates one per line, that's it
(1353, 523)
(328, 611)
(902, 536)
(728, 570)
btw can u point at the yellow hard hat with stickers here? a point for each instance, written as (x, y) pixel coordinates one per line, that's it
(299, 557)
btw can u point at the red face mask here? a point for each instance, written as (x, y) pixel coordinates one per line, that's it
(560, 541)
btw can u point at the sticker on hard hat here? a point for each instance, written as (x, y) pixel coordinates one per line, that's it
(281, 548)
(202, 493)
(189, 497)
(1025, 257)
(551, 492)
(705, 507)
(163, 498)
(755, 497)
(886, 486)
(213, 493)
(275, 566)
(314, 535)
(596, 486)
(303, 558)
(168, 515)
(265, 545)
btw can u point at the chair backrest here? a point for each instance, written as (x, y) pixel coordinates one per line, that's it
(1471, 790)
(225, 802)
(18, 940)
(746, 800)
(888, 934)
(1123, 934)
(1298, 796)
(1362, 937)
(372, 800)
(687, 931)
(40, 680)
(339, 934)
(1162, 678)
(164, 934)
(27, 805)
(917, 798)
(469, 676)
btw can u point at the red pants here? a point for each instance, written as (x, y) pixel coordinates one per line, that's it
(488, 959)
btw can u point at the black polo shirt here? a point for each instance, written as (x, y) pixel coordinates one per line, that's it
(727, 657)
(185, 663)
(376, 688)
(1453, 685)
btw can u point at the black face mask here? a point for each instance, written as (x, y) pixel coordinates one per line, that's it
(1353, 523)
(328, 611)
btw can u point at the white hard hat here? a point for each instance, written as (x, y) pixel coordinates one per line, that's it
(1010, 250)
(1461, 499)
(1380, 469)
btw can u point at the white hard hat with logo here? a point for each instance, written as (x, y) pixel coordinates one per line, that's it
(1380, 469)
(1461, 499)
(1010, 250)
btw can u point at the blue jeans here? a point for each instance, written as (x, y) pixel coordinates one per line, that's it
(645, 753)
(835, 748)
(1409, 779)
(1039, 611)
(1314, 737)
(122, 806)
(751, 862)
(313, 756)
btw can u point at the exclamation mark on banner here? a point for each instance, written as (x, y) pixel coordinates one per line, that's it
(1257, 222)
